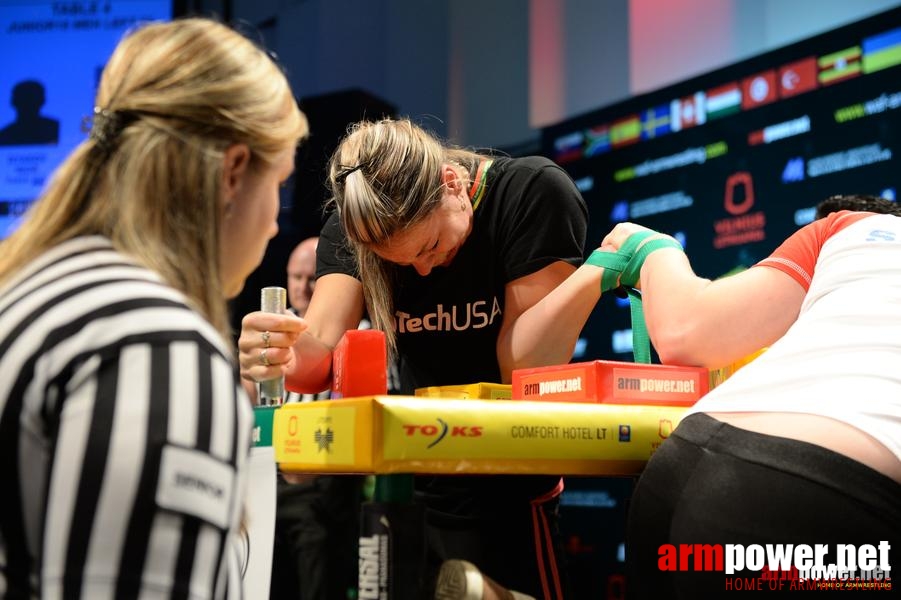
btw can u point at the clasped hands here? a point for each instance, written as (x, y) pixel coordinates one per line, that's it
(622, 253)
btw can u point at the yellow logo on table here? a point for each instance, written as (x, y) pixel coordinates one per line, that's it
(317, 435)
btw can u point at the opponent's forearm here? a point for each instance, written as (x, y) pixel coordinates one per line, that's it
(694, 321)
(674, 306)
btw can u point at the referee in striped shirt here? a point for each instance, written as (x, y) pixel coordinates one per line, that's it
(124, 431)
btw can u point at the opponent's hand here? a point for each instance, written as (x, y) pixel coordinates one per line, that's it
(265, 346)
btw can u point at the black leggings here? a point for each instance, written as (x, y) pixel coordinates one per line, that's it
(711, 483)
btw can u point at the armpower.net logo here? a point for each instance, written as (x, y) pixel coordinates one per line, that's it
(785, 566)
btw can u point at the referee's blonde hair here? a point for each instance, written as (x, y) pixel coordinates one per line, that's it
(172, 98)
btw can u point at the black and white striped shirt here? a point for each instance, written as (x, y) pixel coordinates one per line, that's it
(124, 435)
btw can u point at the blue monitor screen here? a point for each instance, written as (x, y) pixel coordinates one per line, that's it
(734, 161)
(54, 52)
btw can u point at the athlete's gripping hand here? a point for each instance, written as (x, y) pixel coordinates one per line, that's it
(623, 252)
(265, 346)
(614, 240)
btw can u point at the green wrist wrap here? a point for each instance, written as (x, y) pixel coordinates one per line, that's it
(623, 269)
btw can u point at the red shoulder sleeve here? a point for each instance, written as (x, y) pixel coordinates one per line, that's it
(797, 256)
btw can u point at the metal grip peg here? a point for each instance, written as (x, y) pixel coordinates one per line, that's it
(273, 299)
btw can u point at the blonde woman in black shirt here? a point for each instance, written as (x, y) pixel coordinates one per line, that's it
(469, 264)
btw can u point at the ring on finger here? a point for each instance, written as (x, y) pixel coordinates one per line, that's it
(266, 335)
(264, 360)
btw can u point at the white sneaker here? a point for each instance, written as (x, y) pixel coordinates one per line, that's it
(462, 580)
(459, 580)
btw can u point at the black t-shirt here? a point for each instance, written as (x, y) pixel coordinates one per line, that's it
(447, 323)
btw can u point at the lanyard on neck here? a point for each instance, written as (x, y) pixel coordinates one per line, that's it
(477, 190)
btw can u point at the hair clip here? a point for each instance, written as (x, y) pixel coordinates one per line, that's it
(345, 171)
(107, 125)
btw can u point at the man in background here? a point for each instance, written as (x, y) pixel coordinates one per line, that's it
(302, 275)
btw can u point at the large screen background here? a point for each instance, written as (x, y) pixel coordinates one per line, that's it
(731, 163)
(734, 161)
(59, 47)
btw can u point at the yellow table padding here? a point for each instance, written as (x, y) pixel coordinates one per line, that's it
(483, 391)
(405, 434)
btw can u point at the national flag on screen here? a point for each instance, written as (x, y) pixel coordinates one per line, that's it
(798, 77)
(625, 131)
(723, 101)
(597, 140)
(688, 112)
(655, 122)
(882, 51)
(568, 147)
(839, 66)
(758, 90)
